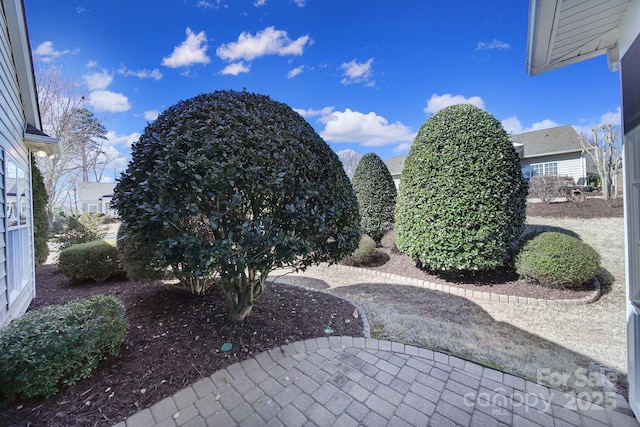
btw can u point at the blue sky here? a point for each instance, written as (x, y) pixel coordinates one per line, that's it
(365, 74)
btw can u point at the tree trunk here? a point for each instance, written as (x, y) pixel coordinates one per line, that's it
(242, 292)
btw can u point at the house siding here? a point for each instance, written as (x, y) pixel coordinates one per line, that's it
(571, 164)
(12, 122)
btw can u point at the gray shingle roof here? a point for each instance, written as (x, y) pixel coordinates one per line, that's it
(395, 165)
(546, 142)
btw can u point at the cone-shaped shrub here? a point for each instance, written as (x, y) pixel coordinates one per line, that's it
(462, 196)
(376, 193)
(230, 185)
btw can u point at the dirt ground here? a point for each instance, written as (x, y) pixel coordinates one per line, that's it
(175, 338)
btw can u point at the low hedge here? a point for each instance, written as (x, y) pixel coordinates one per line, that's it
(58, 345)
(364, 254)
(557, 260)
(96, 260)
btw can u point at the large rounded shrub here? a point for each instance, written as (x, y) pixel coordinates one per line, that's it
(376, 194)
(230, 185)
(462, 196)
(139, 261)
(557, 260)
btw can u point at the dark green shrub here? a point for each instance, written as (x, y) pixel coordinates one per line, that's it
(139, 261)
(364, 254)
(389, 241)
(462, 196)
(376, 193)
(231, 185)
(557, 260)
(94, 260)
(40, 217)
(73, 230)
(58, 345)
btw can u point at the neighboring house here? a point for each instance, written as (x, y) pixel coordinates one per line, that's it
(563, 32)
(395, 166)
(20, 135)
(95, 197)
(555, 151)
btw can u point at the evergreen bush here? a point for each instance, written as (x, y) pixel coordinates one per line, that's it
(76, 229)
(139, 261)
(376, 193)
(93, 260)
(40, 217)
(364, 254)
(231, 185)
(58, 345)
(462, 196)
(557, 260)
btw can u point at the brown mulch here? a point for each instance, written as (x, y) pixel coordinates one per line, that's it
(175, 338)
(591, 208)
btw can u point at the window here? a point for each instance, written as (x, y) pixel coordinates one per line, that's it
(529, 171)
(92, 208)
(18, 214)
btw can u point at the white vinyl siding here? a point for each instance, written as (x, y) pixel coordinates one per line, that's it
(17, 277)
(573, 165)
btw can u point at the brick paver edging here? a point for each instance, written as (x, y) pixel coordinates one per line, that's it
(340, 380)
(471, 294)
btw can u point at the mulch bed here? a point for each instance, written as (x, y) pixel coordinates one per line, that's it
(175, 338)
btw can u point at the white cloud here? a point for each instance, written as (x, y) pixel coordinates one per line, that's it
(235, 69)
(358, 72)
(298, 70)
(402, 148)
(325, 112)
(300, 3)
(151, 115)
(141, 74)
(512, 125)
(191, 51)
(266, 42)
(105, 100)
(613, 117)
(45, 52)
(91, 64)
(495, 44)
(209, 5)
(259, 3)
(366, 129)
(99, 80)
(114, 138)
(438, 102)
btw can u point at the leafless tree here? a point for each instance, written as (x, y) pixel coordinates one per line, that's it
(349, 159)
(64, 116)
(605, 154)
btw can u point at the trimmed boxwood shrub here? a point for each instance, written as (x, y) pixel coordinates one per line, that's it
(557, 260)
(364, 254)
(376, 193)
(139, 261)
(389, 241)
(229, 186)
(58, 345)
(462, 196)
(94, 260)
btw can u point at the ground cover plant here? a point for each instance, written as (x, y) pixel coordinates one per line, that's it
(462, 197)
(229, 186)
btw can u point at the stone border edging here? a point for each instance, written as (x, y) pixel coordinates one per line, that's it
(486, 296)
